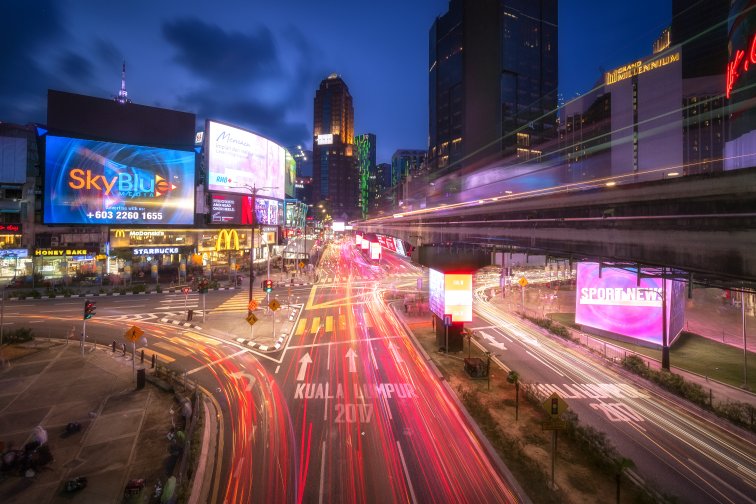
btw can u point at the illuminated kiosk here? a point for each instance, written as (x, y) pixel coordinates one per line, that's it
(626, 305)
(450, 301)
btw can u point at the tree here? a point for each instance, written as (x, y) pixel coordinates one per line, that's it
(514, 377)
(620, 465)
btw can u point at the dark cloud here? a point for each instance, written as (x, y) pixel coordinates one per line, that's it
(107, 52)
(221, 57)
(262, 118)
(76, 67)
(26, 28)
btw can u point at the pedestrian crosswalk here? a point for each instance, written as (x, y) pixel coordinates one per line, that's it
(238, 302)
(325, 279)
(327, 324)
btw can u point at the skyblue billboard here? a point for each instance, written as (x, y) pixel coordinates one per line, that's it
(92, 182)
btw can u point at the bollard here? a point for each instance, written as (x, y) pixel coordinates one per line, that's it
(113, 346)
(153, 360)
(142, 357)
(123, 345)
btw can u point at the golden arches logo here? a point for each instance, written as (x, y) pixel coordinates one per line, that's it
(120, 233)
(225, 238)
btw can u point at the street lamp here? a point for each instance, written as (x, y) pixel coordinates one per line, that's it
(253, 191)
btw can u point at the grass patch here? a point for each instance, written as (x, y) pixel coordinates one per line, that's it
(566, 319)
(702, 356)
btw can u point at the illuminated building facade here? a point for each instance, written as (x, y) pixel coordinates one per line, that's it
(334, 168)
(492, 81)
(740, 86)
(365, 148)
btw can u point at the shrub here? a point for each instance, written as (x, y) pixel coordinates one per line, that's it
(19, 335)
(136, 289)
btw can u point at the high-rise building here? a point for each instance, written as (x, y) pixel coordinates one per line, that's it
(700, 28)
(405, 163)
(334, 169)
(380, 183)
(365, 146)
(303, 158)
(499, 99)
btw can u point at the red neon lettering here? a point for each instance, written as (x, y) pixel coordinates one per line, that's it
(733, 67)
(732, 71)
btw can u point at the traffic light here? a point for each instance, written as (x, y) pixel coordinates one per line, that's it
(89, 309)
(267, 285)
(202, 286)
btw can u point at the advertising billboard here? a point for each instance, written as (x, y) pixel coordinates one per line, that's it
(231, 209)
(240, 160)
(267, 212)
(91, 182)
(616, 303)
(375, 251)
(290, 167)
(338, 226)
(450, 294)
(358, 239)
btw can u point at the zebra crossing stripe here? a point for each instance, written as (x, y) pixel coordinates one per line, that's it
(315, 324)
(301, 327)
(329, 323)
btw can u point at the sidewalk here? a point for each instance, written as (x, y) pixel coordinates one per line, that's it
(266, 334)
(123, 430)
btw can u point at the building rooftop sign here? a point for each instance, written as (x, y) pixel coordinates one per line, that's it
(639, 67)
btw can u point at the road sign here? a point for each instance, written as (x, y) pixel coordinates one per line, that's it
(447, 320)
(133, 334)
(251, 319)
(522, 281)
(301, 264)
(554, 424)
(554, 405)
(186, 290)
(252, 305)
(274, 305)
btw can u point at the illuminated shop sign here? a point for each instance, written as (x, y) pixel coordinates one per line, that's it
(10, 228)
(375, 250)
(740, 64)
(639, 67)
(228, 239)
(145, 233)
(14, 253)
(156, 250)
(338, 226)
(59, 252)
(90, 182)
(450, 294)
(239, 161)
(615, 302)
(325, 139)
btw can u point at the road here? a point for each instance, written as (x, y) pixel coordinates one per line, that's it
(366, 410)
(676, 447)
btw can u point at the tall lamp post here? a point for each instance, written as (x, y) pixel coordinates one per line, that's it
(253, 190)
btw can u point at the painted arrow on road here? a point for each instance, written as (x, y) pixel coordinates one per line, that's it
(251, 380)
(303, 362)
(492, 341)
(395, 351)
(351, 355)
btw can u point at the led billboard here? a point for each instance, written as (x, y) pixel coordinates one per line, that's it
(91, 182)
(450, 294)
(232, 209)
(239, 160)
(338, 226)
(616, 303)
(375, 251)
(267, 212)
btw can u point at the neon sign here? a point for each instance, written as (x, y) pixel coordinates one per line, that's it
(739, 65)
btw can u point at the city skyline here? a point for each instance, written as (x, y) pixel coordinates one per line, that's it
(274, 59)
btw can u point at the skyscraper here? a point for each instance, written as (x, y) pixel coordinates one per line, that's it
(365, 145)
(500, 98)
(334, 168)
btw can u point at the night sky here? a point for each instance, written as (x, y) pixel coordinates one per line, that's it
(257, 64)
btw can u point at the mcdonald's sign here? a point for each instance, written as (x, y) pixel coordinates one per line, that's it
(227, 237)
(120, 233)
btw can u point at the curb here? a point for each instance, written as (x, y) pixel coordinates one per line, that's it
(112, 294)
(206, 464)
(180, 323)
